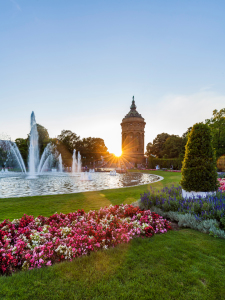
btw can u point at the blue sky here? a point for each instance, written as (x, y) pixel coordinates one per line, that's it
(77, 64)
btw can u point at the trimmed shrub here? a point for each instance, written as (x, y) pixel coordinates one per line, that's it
(165, 163)
(199, 173)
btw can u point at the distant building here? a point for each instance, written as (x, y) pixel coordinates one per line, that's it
(133, 135)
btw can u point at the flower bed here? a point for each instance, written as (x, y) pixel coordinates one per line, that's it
(170, 199)
(30, 242)
(222, 184)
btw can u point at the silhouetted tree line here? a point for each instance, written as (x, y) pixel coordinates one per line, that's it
(168, 146)
(91, 149)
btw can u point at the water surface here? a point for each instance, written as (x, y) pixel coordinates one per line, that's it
(17, 185)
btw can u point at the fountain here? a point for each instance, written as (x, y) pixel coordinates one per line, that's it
(12, 151)
(113, 173)
(85, 176)
(36, 166)
(60, 163)
(33, 149)
(47, 173)
(76, 163)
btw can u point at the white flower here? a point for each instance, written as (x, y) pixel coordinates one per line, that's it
(65, 231)
(16, 221)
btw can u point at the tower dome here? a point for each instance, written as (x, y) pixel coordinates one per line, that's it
(133, 125)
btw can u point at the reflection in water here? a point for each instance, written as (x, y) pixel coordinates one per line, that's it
(21, 186)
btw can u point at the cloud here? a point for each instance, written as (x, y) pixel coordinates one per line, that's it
(16, 5)
(175, 113)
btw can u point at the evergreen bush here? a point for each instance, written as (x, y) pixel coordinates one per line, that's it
(165, 163)
(199, 173)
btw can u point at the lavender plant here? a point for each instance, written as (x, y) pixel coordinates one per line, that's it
(169, 199)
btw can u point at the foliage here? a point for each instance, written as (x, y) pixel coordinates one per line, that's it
(174, 147)
(69, 140)
(91, 149)
(186, 134)
(217, 126)
(221, 163)
(222, 184)
(210, 226)
(221, 175)
(66, 142)
(170, 199)
(156, 148)
(167, 146)
(3, 157)
(23, 146)
(165, 163)
(43, 138)
(30, 242)
(199, 166)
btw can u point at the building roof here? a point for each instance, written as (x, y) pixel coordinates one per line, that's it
(133, 112)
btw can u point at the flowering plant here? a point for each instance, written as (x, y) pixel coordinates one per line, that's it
(30, 242)
(222, 184)
(171, 199)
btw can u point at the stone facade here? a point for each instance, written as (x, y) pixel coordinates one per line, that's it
(133, 135)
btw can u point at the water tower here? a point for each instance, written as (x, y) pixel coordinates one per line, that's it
(133, 134)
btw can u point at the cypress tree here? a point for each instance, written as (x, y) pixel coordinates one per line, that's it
(199, 173)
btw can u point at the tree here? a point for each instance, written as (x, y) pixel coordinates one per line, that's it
(69, 140)
(217, 126)
(3, 157)
(173, 147)
(93, 148)
(156, 148)
(199, 167)
(23, 146)
(43, 138)
(90, 148)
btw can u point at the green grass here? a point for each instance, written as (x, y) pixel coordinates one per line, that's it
(12, 208)
(183, 264)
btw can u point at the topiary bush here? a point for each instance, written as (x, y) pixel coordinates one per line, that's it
(199, 173)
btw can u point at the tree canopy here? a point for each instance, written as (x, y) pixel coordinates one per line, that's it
(43, 137)
(156, 148)
(217, 126)
(90, 148)
(174, 147)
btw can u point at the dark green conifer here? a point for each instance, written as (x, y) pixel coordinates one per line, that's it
(199, 173)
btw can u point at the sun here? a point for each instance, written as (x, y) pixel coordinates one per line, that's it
(117, 153)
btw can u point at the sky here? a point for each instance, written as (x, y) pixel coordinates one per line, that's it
(77, 64)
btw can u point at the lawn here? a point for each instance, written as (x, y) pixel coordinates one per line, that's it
(182, 264)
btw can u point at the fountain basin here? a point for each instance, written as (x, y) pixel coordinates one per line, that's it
(18, 185)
